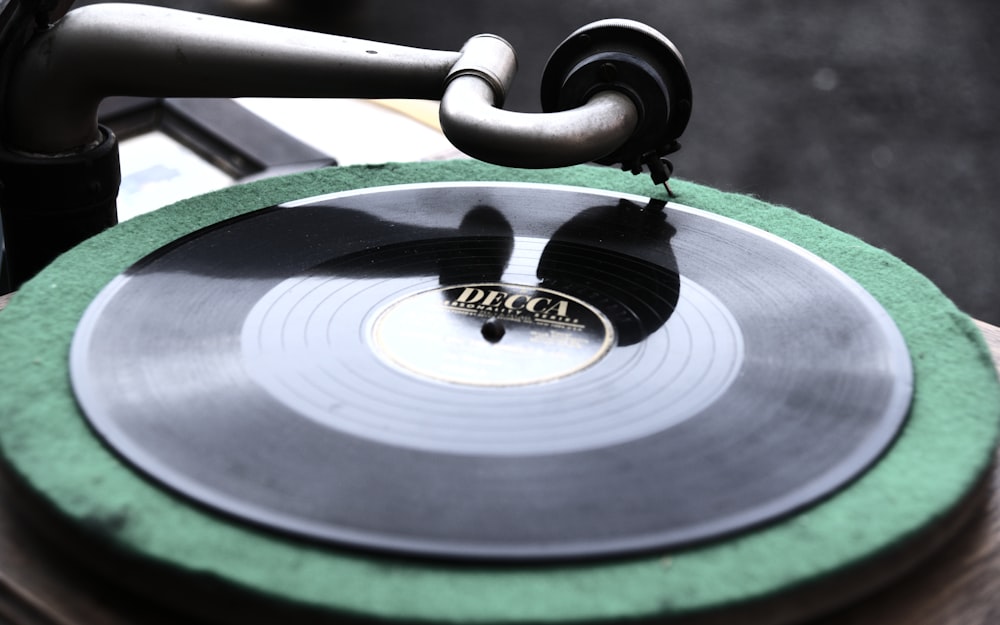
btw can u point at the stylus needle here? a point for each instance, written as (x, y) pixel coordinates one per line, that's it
(660, 170)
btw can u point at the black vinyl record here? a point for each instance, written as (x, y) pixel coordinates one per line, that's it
(502, 371)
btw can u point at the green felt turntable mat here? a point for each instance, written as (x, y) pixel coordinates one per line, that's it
(939, 458)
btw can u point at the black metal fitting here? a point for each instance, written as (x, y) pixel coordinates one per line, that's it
(634, 59)
(51, 203)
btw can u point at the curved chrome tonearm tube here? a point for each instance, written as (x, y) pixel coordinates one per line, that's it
(615, 92)
(122, 49)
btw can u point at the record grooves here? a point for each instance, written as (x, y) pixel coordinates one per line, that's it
(663, 376)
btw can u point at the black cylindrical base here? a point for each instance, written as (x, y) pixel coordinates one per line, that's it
(49, 204)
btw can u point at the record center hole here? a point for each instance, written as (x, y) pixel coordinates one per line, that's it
(493, 330)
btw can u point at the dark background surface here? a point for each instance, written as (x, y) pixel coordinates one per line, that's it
(879, 118)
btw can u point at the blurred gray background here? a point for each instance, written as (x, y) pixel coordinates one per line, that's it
(879, 118)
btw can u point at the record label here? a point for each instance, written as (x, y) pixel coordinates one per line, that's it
(492, 334)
